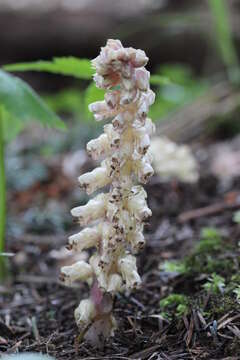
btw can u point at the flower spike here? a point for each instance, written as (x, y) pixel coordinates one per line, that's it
(115, 219)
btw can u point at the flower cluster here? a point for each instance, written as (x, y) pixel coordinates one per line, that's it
(117, 217)
(171, 160)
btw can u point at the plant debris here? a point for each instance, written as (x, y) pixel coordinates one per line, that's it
(36, 311)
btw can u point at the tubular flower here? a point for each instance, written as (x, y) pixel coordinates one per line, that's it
(115, 219)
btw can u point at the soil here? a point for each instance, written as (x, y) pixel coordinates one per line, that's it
(36, 311)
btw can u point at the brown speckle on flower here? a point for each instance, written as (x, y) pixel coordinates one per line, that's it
(114, 219)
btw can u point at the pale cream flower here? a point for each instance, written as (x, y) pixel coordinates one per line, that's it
(118, 216)
(114, 283)
(137, 203)
(85, 312)
(143, 168)
(137, 240)
(128, 268)
(78, 271)
(142, 79)
(95, 179)
(95, 209)
(85, 239)
(98, 147)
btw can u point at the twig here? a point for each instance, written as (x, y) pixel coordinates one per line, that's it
(210, 210)
(229, 320)
(190, 331)
(144, 353)
(35, 329)
(235, 330)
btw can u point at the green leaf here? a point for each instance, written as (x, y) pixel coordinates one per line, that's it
(71, 66)
(12, 126)
(224, 38)
(220, 12)
(92, 94)
(21, 101)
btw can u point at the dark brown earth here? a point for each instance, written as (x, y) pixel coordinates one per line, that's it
(36, 311)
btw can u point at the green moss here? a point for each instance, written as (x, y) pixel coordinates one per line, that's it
(177, 303)
(210, 241)
(206, 259)
(215, 284)
(212, 256)
(236, 291)
(207, 264)
(236, 217)
(178, 267)
(220, 305)
(235, 278)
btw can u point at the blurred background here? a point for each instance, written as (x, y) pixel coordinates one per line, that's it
(194, 44)
(195, 47)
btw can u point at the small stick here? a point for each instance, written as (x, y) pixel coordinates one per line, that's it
(210, 210)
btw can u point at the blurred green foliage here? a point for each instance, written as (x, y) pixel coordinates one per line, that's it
(224, 38)
(210, 240)
(181, 89)
(11, 125)
(67, 101)
(174, 84)
(203, 258)
(177, 267)
(71, 66)
(236, 217)
(20, 104)
(236, 291)
(177, 302)
(215, 284)
(91, 95)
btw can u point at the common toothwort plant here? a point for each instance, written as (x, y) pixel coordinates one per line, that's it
(117, 217)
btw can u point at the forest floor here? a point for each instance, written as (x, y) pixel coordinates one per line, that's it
(188, 305)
